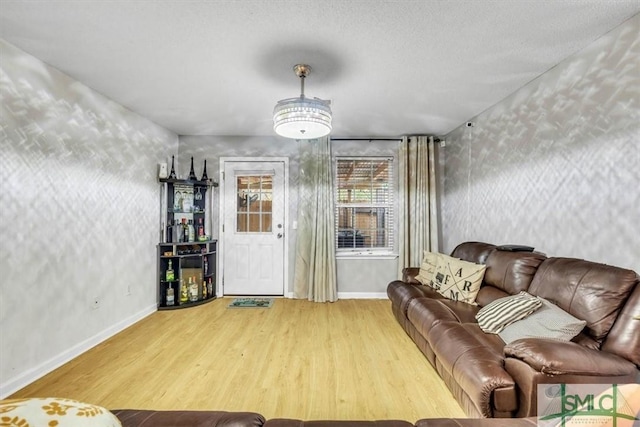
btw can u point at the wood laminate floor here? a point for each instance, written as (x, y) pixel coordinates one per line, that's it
(345, 360)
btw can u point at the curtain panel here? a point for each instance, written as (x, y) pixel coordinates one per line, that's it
(315, 276)
(417, 200)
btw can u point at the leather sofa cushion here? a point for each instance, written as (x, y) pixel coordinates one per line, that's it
(477, 422)
(512, 271)
(401, 293)
(462, 351)
(488, 294)
(587, 290)
(424, 313)
(283, 422)
(555, 357)
(150, 418)
(624, 338)
(465, 313)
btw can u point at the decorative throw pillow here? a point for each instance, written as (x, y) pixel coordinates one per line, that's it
(549, 321)
(458, 280)
(495, 316)
(427, 268)
(54, 412)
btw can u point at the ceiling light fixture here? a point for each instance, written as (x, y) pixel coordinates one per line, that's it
(302, 117)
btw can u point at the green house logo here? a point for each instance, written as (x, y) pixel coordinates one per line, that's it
(565, 405)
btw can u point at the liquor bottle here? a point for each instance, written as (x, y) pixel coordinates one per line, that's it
(184, 292)
(205, 177)
(185, 230)
(192, 231)
(193, 284)
(169, 234)
(172, 174)
(176, 232)
(170, 274)
(204, 290)
(206, 265)
(210, 287)
(200, 228)
(192, 173)
(170, 296)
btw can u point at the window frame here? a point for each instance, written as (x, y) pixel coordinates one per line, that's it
(386, 252)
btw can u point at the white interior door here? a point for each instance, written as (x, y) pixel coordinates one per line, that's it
(253, 249)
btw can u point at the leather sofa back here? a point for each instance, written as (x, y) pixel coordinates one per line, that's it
(507, 272)
(590, 291)
(473, 251)
(512, 271)
(624, 337)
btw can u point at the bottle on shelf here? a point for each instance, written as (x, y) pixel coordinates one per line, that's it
(172, 174)
(210, 287)
(205, 177)
(168, 238)
(192, 173)
(200, 228)
(170, 274)
(170, 295)
(185, 231)
(204, 289)
(176, 232)
(192, 231)
(206, 265)
(184, 292)
(193, 289)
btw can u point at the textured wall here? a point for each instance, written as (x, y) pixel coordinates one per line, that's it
(78, 215)
(359, 276)
(556, 165)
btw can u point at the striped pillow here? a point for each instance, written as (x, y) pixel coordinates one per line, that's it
(493, 317)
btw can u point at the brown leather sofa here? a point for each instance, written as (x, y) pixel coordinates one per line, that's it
(491, 379)
(147, 418)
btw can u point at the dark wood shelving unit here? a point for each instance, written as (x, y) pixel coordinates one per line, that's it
(192, 261)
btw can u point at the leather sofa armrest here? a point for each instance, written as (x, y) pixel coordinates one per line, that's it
(554, 357)
(409, 275)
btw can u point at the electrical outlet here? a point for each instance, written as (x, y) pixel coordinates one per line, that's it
(95, 303)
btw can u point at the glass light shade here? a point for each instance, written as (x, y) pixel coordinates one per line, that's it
(302, 118)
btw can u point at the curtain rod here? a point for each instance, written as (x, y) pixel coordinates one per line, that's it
(366, 139)
(435, 139)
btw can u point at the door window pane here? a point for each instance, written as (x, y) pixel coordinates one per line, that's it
(255, 193)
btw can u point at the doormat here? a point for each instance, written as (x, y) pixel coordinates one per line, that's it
(251, 303)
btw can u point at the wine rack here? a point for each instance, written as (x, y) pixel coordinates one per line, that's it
(191, 262)
(187, 255)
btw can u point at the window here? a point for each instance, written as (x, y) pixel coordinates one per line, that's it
(364, 205)
(254, 203)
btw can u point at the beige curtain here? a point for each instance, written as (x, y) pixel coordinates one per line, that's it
(315, 268)
(418, 203)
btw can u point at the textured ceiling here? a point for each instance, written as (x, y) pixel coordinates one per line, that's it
(390, 67)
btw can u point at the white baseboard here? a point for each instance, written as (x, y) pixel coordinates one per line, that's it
(362, 295)
(26, 378)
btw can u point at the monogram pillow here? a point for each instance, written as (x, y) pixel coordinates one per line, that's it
(56, 412)
(427, 268)
(458, 280)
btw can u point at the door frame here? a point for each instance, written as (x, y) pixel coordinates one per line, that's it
(285, 226)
